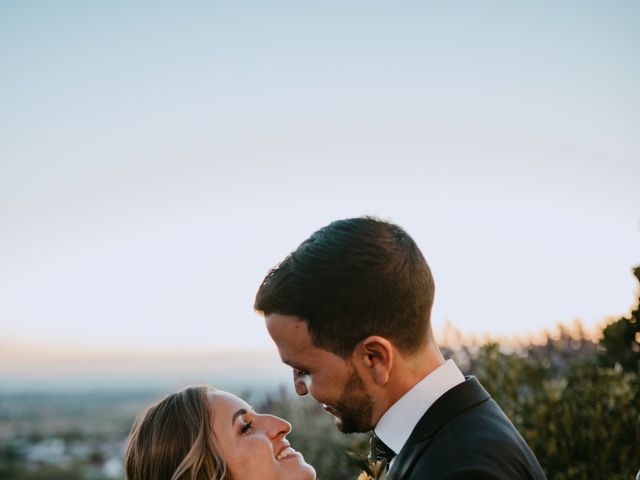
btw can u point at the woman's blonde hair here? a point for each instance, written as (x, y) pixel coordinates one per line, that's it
(174, 440)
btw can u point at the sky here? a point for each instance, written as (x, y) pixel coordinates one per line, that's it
(157, 158)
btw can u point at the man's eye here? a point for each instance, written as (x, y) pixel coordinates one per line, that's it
(300, 373)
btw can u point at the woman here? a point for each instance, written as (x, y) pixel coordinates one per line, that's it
(201, 433)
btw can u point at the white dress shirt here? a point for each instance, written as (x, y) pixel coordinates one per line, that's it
(397, 423)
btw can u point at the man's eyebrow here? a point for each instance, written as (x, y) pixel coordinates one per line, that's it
(242, 411)
(286, 361)
(292, 364)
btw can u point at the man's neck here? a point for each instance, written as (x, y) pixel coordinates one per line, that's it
(407, 372)
(397, 423)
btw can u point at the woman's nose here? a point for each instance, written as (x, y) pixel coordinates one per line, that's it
(277, 426)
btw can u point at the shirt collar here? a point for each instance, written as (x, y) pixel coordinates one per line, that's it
(397, 423)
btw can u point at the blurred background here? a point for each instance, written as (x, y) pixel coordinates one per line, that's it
(156, 159)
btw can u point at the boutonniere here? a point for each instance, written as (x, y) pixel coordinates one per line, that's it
(371, 470)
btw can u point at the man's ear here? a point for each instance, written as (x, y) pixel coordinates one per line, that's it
(376, 356)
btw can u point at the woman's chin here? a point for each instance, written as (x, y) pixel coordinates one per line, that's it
(309, 473)
(305, 471)
(295, 468)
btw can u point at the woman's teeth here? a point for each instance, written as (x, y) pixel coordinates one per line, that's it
(285, 453)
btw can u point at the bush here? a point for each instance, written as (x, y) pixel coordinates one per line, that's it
(582, 425)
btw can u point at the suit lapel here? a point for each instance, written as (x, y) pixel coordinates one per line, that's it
(455, 401)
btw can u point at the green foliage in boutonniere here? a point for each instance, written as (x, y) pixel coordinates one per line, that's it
(371, 470)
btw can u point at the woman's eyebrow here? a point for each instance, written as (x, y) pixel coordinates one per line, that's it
(242, 411)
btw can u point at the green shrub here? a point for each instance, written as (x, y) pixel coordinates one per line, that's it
(584, 424)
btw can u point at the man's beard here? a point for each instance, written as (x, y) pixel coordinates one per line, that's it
(354, 407)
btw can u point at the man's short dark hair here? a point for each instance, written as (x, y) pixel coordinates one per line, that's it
(351, 279)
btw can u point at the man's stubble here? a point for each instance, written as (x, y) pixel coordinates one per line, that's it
(354, 407)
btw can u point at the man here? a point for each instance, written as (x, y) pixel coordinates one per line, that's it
(349, 310)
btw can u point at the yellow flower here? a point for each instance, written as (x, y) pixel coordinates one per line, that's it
(371, 470)
(375, 471)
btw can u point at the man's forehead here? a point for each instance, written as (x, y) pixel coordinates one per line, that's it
(285, 327)
(292, 339)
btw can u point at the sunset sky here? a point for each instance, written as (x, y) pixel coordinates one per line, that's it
(156, 159)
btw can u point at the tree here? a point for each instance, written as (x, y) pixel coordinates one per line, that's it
(620, 343)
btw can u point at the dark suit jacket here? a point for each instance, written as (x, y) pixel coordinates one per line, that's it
(465, 436)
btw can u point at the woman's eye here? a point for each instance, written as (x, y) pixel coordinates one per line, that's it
(245, 428)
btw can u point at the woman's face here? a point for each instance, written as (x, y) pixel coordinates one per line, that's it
(254, 445)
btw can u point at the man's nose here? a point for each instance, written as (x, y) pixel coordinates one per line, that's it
(300, 384)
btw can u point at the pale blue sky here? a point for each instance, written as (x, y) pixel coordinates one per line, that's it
(157, 158)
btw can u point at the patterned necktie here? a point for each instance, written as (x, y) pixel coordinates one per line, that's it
(379, 451)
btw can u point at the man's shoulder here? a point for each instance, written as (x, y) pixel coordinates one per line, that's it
(472, 439)
(475, 453)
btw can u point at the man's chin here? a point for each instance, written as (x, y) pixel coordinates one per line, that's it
(349, 426)
(336, 418)
(346, 428)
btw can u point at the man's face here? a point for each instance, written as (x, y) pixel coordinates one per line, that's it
(327, 377)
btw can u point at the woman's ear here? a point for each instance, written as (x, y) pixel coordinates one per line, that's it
(376, 356)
